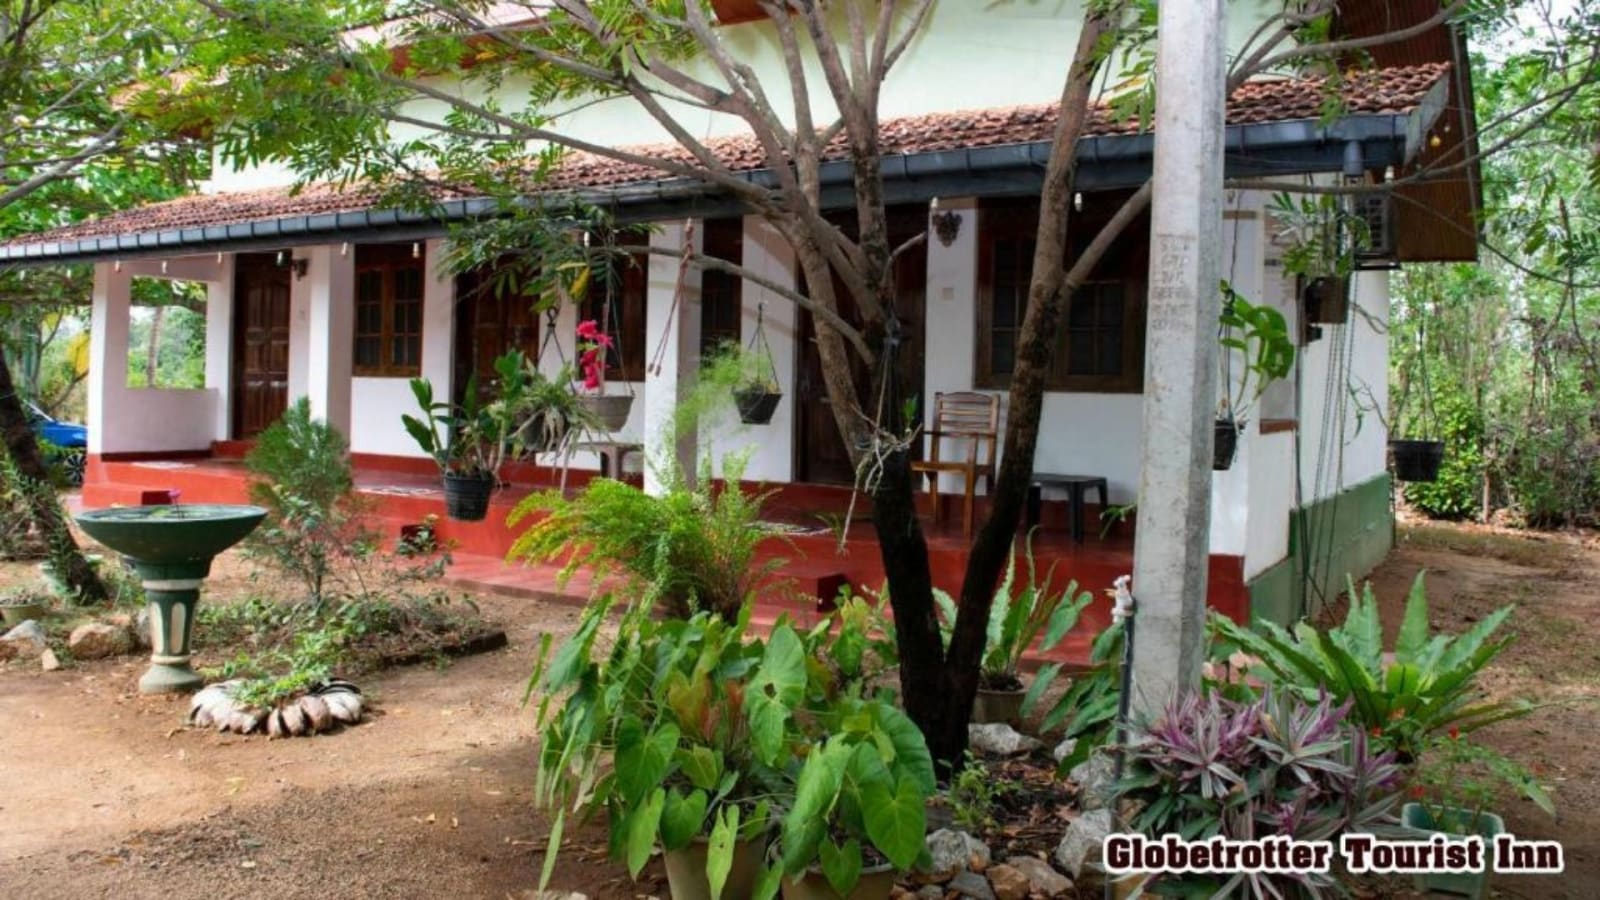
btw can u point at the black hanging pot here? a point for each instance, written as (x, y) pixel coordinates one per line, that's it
(1416, 460)
(756, 406)
(1226, 444)
(466, 497)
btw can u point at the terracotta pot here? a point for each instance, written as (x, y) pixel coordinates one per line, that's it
(686, 870)
(876, 884)
(995, 706)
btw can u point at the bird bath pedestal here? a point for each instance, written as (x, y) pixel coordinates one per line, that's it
(172, 548)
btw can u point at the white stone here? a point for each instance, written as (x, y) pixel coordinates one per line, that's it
(1079, 850)
(999, 739)
(973, 885)
(26, 640)
(1009, 883)
(1064, 749)
(952, 851)
(48, 661)
(1095, 777)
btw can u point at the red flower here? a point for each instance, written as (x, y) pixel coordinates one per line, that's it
(1416, 792)
(588, 329)
(1377, 732)
(1455, 732)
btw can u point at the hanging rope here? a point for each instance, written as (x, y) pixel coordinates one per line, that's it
(758, 342)
(677, 295)
(611, 324)
(550, 316)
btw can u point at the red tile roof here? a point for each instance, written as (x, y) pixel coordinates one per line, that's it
(1390, 90)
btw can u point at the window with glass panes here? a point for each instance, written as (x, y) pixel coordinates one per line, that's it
(388, 311)
(1102, 335)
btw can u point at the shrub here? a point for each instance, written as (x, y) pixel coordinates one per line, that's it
(1429, 687)
(688, 549)
(1458, 492)
(1209, 766)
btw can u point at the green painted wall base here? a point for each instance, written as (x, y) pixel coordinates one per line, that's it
(1347, 534)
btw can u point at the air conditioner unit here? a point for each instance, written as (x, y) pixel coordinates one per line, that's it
(1378, 248)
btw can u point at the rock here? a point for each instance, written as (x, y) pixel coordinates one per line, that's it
(954, 851)
(97, 640)
(931, 892)
(25, 641)
(48, 661)
(1094, 777)
(1079, 850)
(999, 739)
(1042, 877)
(137, 627)
(973, 885)
(1009, 883)
(899, 893)
(1064, 749)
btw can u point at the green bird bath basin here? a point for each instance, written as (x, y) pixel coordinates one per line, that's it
(172, 548)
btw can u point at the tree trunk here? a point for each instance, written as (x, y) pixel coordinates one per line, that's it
(48, 518)
(152, 352)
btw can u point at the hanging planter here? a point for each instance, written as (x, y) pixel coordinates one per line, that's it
(466, 497)
(757, 397)
(1416, 460)
(1227, 443)
(610, 410)
(756, 406)
(1326, 300)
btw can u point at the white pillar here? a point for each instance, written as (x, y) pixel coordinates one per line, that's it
(219, 348)
(330, 333)
(680, 357)
(108, 354)
(952, 297)
(1171, 545)
(299, 332)
(766, 253)
(438, 321)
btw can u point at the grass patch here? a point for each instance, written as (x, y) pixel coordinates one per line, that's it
(1531, 550)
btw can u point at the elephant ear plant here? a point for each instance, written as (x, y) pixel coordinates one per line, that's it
(689, 730)
(1429, 685)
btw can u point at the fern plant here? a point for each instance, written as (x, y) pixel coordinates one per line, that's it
(688, 549)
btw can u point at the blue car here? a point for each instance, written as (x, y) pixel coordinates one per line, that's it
(65, 444)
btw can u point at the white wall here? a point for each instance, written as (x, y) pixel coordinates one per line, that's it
(770, 446)
(219, 347)
(1342, 445)
(971, 55)
(135, 420)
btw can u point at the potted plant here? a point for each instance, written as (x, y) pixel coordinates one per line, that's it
(666, 708)
(609, 411)
(1036, 613)
(757, 399)
(23, 604)
(1256, 339)
(471, 441)
(858, 812)
(1320, 236)
(1455, 784)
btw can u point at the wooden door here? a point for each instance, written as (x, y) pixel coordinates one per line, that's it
(260, 343)
(821, 456)
(488, 323)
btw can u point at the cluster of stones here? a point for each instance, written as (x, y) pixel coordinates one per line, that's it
(115, 635)
(963, 866)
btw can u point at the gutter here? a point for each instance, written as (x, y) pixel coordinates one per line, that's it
(1105, 162)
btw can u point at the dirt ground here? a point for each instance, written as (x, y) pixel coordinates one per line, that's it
(103, 793)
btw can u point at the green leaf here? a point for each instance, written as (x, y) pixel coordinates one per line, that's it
(767, 883)
(910, 748)
(841, 865)
(1041, 682)
(1414, 626)
(643, 761)
(702, 766)
(552, 848)
(642, 825)
(719, 853)
(681, 818)
(777, 688)
(897, 824)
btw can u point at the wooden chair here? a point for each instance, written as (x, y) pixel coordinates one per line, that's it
(962, 416)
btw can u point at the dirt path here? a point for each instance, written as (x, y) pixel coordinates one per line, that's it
(103, 794)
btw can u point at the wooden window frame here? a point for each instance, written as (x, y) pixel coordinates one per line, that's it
(387, 261)
(1125, 264)
(723, 239)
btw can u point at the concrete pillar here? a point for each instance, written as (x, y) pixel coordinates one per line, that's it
(438, 321)
(108, 353)
(952, 297)
(1172, 541)
(680, 358)
(219, 348)
(330, 333)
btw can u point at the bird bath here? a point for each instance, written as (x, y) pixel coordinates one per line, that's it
(172, 548)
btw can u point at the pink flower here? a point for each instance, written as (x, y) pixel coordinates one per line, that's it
(588, 329)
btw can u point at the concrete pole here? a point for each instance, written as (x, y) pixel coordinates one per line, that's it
(330, 337)
(108, 355)
(1171, 546)
(678, 316)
